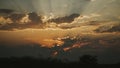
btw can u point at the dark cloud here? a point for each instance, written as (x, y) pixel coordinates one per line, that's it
(34, 21)
(114, 27)
(17, 26)
(35, 18)
(14, 26)
(15, 17)
(7, 11)
(79, 24)
(65, 19)
(102, 47)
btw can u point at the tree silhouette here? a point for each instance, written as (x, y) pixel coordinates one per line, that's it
(88, 59)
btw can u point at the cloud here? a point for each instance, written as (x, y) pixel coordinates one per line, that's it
(4, 21)
(65, 19)
(82, 20)
(20, 21)
(32, 20)
(109, 27)
(48, 43)
(25, 19)
(6, 11)
(74, 42)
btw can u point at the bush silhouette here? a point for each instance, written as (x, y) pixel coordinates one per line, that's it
(88, 59)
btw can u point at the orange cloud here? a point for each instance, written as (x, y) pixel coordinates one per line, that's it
(54, 53)
(76, 45)
(67, 48)
(25, 19)
(5, 21)
(49, 43)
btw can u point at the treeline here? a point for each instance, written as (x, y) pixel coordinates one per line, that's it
(85, 61)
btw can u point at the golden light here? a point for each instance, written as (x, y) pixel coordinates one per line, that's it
(49, 43)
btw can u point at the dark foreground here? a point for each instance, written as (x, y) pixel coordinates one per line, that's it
(27, 62)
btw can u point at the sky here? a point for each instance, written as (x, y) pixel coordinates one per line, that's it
(64, 29)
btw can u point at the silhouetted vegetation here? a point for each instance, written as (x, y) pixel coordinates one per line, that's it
(85, 62)
(88, 59)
